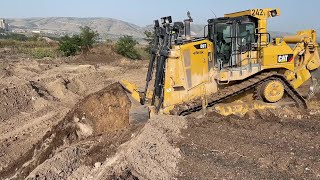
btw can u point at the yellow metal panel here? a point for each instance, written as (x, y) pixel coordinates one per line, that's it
(132, 89)
(257, 13)
(187, 75)
(294, 39)
(302, 76)
(270, 57)
(250, 56)
(314, 63)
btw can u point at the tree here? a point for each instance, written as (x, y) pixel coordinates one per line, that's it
(126, 47)
(88, 37)
(70, 46)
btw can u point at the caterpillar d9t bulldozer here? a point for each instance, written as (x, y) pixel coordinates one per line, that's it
(236, 56)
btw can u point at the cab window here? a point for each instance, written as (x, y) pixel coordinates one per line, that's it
(246, 33)
(223, 42)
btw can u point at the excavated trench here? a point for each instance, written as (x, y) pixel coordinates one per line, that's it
(104, 111)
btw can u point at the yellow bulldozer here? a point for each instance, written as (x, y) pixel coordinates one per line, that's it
(236, 56)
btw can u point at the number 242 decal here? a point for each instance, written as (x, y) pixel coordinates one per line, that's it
(257, 12)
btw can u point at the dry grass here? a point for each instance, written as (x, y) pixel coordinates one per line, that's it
(36, 49)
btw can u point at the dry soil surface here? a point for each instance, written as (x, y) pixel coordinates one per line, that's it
(55, 123)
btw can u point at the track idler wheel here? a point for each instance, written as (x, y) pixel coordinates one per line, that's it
(272, 91)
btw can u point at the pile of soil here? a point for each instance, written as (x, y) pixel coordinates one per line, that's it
(103, 54)
(104, 111)
(16, 99)
(146, 153)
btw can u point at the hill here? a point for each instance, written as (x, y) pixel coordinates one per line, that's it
(106, 27)
(112, 28)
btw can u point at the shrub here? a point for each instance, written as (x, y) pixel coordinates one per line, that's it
(88, 37)
(126, 47)
(70, 46)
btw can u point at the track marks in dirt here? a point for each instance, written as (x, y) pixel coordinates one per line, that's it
(36, 121)
(266, 146)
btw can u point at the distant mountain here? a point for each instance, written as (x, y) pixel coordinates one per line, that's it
(68, 25)
(106, 27)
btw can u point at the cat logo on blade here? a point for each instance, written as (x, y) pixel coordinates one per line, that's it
(285, 58)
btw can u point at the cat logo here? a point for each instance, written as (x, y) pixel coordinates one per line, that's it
(285, 58)
(201, 46)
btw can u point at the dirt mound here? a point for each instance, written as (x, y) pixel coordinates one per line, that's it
(16, 99)
(149, 155)
(136, 153)
(101, 54)
(104, 111)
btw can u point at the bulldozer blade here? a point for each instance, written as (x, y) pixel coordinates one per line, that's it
(132, 89)
(315, 87)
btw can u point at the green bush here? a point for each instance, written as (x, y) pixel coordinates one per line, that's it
(88, 37)
(126, 47)
(70, 46)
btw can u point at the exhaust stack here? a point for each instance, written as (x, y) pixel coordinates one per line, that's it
(187, 27)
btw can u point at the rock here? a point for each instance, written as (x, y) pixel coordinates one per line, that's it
(97, 164)
(76, 119)
(84, 130)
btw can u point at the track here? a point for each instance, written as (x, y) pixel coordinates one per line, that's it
(237, 89)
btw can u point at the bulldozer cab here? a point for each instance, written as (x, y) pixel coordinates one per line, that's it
(239, 41)
(232, 38)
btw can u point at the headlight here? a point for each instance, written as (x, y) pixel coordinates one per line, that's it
(169, 19)
(156, 23)
(163, 20)
(274, 13)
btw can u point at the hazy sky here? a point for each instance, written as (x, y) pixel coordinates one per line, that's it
(295, 14)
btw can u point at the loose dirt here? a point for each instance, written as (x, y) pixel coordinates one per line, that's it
(272, 144)
(148, 153)
(69, 119)
(36, 96)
